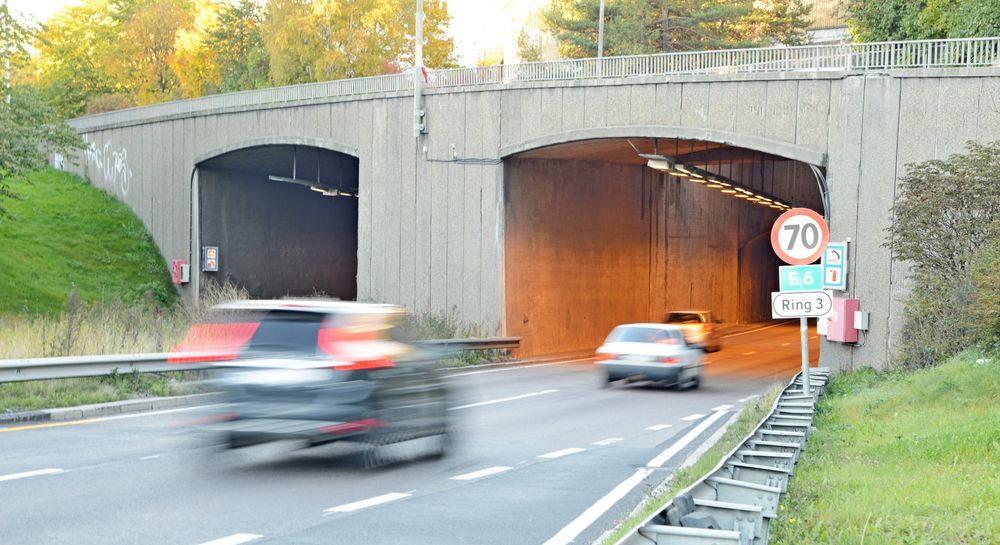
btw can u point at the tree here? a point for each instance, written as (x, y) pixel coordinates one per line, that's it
(149, 37)
(238, 45)
(194, 63)
(946, 227)
(890, 20)
(651, 26)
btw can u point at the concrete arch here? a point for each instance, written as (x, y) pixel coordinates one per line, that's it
(322, 143)
(775, 147)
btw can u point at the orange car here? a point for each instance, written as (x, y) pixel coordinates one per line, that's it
(700, 328)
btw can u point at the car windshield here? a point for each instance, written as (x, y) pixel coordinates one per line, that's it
(684, 318)
(641, 335)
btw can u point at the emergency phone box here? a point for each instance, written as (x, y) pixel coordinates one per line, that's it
(840, 322)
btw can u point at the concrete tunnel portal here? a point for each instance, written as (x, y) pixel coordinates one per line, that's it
(284, 219)
(595, 237)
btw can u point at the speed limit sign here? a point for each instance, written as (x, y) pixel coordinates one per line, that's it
(799, 236)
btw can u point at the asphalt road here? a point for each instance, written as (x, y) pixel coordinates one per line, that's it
(544, 456)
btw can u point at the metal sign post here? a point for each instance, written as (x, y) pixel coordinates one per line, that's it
(799, 237)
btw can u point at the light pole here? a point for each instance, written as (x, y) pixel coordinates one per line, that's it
(600, 31)
(418, 69)
(6, 56)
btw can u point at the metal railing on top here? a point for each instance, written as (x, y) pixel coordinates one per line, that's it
(964, 52)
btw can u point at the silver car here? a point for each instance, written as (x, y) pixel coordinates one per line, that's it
(318, 372)
(699, 326)
(655, 352)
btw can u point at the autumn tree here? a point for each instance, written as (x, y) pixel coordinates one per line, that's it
(194, 63)
(148, 44)
(238, 46)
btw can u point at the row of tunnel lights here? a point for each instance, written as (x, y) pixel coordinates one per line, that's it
(714, 181)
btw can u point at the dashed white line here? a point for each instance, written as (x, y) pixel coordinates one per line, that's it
(692, 417)
(501, 400)
(785, 344)
(34, 473)
(608, 441)
(370, 502)
(153, 457)
(748, 398)
(234, 539)
(814, 337)
(750, 353)
(481, 473)
(722, 408)
(594, 512)
(516, 367)
(658, 427)
(563, 452)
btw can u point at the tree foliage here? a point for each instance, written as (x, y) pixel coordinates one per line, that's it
(651, 26)
(889, 20)
(104, 53)
(947, 227)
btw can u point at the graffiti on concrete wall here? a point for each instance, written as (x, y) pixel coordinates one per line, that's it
(111, 164)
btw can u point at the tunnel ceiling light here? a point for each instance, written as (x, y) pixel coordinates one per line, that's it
(671, 167)
(739, 195)
(729, 191)
(697, 180)
(714, 185)
(659, 164)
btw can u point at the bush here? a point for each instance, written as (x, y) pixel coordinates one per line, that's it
(947, 226)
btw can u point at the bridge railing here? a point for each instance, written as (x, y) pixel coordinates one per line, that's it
(964, 52)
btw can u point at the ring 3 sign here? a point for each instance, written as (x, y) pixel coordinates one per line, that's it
(799, 237)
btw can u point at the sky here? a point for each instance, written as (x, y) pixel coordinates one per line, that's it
(477, 25)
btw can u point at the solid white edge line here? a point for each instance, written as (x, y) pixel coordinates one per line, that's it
(659, 427)
(561, 453)
(517, 367)
(722, 408)
(672, 451)
(234, 539)
(370, 502)
(608, 441)
(481, 473)
(34, 473)
(594, 512)
(692, 417)
(588, 517)
(501, 400)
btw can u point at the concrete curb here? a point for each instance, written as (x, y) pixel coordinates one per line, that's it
(110, 409)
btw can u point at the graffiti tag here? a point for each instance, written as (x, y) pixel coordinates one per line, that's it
(111, 164)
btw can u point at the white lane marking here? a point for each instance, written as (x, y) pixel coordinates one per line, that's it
(234, 539)
(153, 457)
(722, 408)
(662, 457)
(370, 502)
(658, 427)
(693, 417)
(814, 337)
(34, 473)
(573, 529)
(594, 512)
(747, 398)
(785, 344)
(481, 473)
(608, 441)
(751, 331)
(517, 367)
(563, 452)
(750, 353)
(501, 400)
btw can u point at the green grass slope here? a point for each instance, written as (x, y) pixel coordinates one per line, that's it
(66, 232)
(901, 458)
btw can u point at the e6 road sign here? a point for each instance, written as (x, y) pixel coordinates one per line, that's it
(800, 277)
(799, 236)
(800, 304)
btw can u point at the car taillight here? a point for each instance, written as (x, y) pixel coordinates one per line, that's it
(707, 327)
(360, 364)
(604, 357)
(669, 360)
(352, 427)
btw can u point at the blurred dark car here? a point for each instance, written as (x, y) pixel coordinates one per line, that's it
(319, 371)
(655, 352)
(700, 328)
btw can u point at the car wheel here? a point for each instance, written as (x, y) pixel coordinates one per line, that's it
(608, 381)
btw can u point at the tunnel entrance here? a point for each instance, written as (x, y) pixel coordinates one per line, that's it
(596, 237)
(284, 219)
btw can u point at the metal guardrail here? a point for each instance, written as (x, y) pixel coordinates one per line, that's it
(963, 52)
(734, 503)
(20, 370)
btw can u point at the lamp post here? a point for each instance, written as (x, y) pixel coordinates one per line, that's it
(600, 31)
(418, 69)
(6, 35)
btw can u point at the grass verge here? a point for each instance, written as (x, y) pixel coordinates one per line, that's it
(901, 458)
(47, 394)
(745, 423)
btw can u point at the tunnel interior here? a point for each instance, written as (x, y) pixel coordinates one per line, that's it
(596, 237)
(284, 219)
